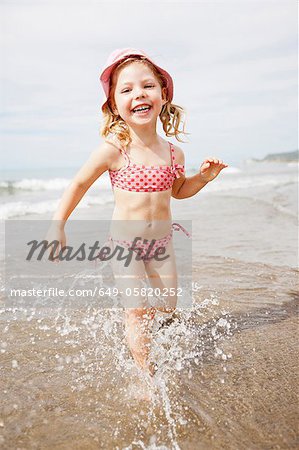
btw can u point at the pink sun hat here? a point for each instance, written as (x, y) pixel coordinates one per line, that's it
(120, 55)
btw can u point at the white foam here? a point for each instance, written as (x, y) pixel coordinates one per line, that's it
(53, 184)
(22, 208)
(35, 184)
(248, 182)
(232, 170)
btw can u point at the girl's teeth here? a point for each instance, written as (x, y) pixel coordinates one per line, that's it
(141, 110)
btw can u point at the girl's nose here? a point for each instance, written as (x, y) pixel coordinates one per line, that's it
(139, 93)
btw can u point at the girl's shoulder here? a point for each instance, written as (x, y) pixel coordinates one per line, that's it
(111, 146)
(178, 154)
(106, 153)
(107, 147)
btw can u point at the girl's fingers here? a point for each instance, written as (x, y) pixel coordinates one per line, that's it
(216, 161)
(205, 165)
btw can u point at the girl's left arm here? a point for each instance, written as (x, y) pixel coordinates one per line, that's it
(187, 187)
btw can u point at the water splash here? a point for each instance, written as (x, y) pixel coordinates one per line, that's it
(87, 347)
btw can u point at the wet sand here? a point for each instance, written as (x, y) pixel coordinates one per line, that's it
(228, 380)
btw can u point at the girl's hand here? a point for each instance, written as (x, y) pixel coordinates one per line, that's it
(210, 168)
(55, 233)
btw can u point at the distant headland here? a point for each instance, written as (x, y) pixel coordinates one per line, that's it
(279, 157)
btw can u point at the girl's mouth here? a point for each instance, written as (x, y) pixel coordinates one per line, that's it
(141, 110)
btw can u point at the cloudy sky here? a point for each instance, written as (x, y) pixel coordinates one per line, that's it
(234, 64)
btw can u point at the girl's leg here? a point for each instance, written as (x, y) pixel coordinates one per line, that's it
(138, 314)
(163, 276)
(138, 323)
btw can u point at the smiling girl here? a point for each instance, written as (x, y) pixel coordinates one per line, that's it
(145, 172)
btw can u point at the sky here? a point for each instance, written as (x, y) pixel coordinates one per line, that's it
(234, 65)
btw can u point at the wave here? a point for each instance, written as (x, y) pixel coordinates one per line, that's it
(249, 182)
(227, 170)
(233, 170)
(36, 184)
(21, 208)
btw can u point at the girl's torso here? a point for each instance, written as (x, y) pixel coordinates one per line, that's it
(142, 192)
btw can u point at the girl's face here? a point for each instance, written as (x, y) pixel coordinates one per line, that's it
(136, 86)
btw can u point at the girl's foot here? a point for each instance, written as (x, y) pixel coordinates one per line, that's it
(143, 387)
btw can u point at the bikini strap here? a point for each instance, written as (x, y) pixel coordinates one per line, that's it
(126, 156)
(172, 154)
(122, 150)
(177, 227)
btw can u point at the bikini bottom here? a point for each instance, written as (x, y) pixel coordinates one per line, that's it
(147, 249)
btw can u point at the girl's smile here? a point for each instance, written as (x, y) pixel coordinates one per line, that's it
(141, 110)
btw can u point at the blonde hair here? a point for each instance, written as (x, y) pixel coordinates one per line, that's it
(171, 115)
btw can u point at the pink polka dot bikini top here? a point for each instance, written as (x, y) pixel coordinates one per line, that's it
(140, 178)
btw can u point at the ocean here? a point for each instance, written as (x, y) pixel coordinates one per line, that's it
(227, 373)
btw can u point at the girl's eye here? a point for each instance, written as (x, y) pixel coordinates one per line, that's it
(147, 86)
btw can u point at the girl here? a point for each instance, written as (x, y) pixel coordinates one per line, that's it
(145, 172)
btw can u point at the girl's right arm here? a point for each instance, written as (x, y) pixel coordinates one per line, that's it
(99, 161)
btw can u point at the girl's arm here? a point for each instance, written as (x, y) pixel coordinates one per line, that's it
(187, 187)
(98, 162)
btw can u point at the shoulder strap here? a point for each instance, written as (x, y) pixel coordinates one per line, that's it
(125, 155)
(172, 157)
(122, 150)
